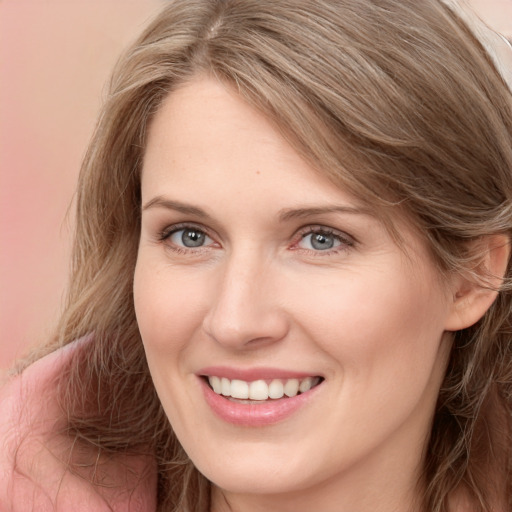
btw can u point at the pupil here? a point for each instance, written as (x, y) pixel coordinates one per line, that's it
(192, 238)
(322, 242)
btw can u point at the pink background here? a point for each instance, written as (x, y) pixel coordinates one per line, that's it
(55, 57)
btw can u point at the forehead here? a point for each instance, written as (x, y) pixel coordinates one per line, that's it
(204, 134)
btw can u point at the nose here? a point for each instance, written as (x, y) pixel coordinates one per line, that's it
(245, 310)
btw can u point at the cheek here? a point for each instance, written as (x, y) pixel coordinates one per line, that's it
(384, 337)
(380, 328)
(168, 315)
(168, 312)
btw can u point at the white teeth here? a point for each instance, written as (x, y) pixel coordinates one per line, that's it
(291, 388)
(259, 389)
(276, 389)
(240, 389)
(306, 384)
(215, 384)
(225, 386)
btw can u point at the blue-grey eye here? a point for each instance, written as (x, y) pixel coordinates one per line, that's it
(190, 238)
(320, 241)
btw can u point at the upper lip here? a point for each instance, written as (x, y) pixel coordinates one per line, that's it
(253, 374)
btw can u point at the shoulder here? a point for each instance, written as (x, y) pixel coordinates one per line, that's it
(34, 474)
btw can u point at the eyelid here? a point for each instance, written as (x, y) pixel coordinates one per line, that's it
(165, 234)
(346, 239)
(171, 228)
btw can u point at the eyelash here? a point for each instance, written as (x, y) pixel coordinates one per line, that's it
(165, 235)
(345, 241)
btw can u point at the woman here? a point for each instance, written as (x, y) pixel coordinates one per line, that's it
(291, 283)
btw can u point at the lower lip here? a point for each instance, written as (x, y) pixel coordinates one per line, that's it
(259, 414)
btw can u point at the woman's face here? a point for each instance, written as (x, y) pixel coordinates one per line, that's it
(254, 268)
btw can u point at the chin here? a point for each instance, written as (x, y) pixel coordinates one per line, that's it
(256, 481)
(259, 470)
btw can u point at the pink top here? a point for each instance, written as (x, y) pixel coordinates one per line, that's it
(33, 477)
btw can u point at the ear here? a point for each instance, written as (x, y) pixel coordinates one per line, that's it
(474, 292)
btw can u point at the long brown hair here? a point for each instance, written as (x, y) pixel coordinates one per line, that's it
(396, 101)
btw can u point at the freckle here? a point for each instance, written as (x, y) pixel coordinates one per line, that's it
(258, 172)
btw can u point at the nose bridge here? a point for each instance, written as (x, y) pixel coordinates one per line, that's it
(245, 309)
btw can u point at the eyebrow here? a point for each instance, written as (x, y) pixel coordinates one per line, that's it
(169, 204)
(300, 213)
(284, 215)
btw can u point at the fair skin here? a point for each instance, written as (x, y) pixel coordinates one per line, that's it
(249, 260)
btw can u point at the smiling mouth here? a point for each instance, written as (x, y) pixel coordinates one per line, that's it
(260, 391)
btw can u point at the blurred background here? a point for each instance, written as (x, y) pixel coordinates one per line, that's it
(55, 57)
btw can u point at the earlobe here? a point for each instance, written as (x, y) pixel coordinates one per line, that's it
(474, 291)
